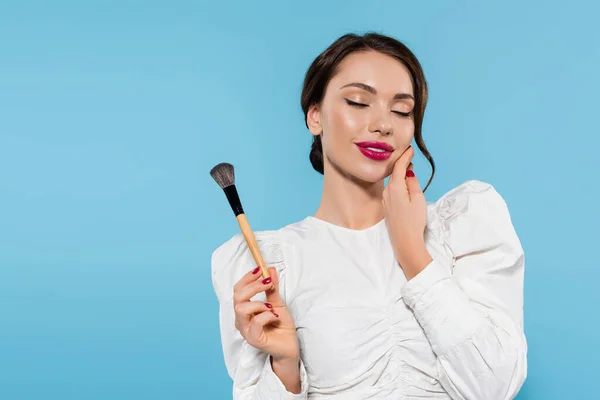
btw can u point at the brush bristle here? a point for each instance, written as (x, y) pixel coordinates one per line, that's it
(223, 174)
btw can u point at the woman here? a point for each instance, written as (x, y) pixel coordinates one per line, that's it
(379, 295)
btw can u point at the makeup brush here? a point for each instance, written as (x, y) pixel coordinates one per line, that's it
(223, 174)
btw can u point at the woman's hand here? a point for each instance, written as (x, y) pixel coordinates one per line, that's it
(268, 326)
(405, 211)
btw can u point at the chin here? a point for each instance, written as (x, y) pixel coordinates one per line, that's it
(363, 170)
(372, 173)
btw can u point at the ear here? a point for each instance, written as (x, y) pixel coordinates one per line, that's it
(313, 120)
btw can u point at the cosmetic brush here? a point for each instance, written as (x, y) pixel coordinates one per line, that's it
(224, 175)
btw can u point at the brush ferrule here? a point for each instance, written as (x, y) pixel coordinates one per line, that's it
(234, 199)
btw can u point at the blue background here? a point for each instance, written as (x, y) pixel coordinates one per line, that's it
(113, 112)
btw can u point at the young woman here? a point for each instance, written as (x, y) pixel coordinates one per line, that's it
(380, 294)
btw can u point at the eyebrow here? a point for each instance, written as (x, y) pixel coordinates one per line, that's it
(371, 89)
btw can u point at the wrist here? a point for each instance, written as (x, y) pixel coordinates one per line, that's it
(286, 362)
(415, 262)
(288, 372)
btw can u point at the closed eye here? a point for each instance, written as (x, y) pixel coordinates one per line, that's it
(361, 105)
(355, 104)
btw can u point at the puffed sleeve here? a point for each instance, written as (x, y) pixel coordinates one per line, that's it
(471, 307)
(250, 368)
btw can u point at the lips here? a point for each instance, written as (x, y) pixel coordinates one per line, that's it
(378, 151)
(375, 145)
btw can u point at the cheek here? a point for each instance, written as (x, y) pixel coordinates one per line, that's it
(394, 158)
(344, 121)
(404, 133)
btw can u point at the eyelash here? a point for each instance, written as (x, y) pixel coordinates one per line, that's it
(360, 105)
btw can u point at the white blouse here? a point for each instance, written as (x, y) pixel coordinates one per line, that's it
(455, 331)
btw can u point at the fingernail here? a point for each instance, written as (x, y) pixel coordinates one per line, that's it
(255, 271)
(266, 281)
(409, 173)
(268, 305)
(274, 313)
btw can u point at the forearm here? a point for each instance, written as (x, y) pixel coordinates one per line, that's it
(288, 372)
(482, 354)
(415, 261)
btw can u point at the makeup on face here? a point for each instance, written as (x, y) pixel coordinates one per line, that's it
(403, 101)
(378, 151)
(366, 115)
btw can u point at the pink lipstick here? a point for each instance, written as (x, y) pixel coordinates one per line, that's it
(378, 151)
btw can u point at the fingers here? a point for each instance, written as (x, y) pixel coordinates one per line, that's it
(246, 310)
(252, 316)
(245, 289)
(400, 167)
(397, 183)
(273, 295)
(412, 184)
(252, 307)
(258, 323)
(249, 277)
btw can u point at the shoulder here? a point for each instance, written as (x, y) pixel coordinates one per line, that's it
(232, 259)
(268, 241)
(471, 216)
(471, 198)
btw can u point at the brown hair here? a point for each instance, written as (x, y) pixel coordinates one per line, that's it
(325, 66)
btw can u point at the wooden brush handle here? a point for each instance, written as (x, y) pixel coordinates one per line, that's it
(251, 241)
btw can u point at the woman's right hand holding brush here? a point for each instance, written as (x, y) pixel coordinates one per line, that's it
(268, 326)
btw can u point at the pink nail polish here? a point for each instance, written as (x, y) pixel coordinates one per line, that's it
(268, 305)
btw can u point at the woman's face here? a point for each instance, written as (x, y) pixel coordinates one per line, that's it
(366, 116)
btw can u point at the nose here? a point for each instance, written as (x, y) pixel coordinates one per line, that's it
(381, 123)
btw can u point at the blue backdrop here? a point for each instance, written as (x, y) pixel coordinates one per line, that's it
(113, 112)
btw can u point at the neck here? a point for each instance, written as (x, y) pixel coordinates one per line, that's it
(348, 202)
